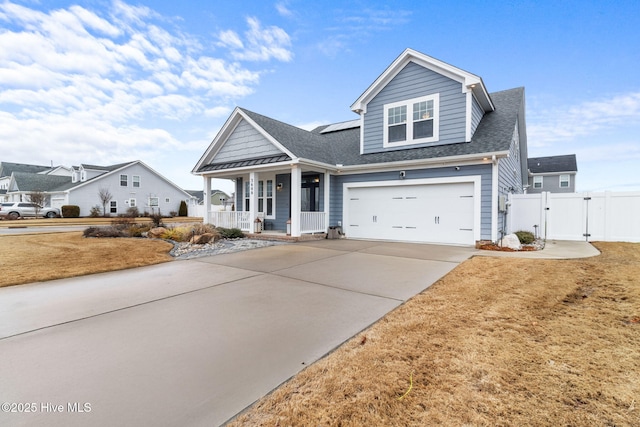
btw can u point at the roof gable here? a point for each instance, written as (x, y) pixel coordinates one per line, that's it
(470, 82)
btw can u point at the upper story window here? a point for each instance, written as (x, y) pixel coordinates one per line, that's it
(135, 180)
(124, 180)
(537, 182)
(415, 121)
(564, 181)
(83, 175)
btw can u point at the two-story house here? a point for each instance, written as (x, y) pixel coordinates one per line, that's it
(554, 174)
(131, 184)
(429, 159)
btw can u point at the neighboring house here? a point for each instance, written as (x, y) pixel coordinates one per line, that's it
(555, 174)
(430, 159)
(131, 184)
(220, 198)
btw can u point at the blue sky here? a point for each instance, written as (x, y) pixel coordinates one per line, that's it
(104, 82)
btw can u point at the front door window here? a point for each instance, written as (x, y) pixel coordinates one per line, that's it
(310, 194)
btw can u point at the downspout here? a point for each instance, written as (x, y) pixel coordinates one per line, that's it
(494, 198)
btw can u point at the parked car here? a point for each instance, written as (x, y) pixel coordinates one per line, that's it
(15, 210)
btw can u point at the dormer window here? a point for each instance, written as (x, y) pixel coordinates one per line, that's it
(415, 121)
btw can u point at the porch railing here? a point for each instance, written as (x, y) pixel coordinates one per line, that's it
(312, 222)
(233, 219)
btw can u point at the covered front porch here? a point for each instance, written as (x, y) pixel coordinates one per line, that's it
(292, 201)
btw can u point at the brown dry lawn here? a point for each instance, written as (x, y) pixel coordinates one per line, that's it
(39, 257)
(496, 342)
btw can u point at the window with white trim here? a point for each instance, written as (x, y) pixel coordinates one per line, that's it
(135, 180)
(167, 200)
(537, 181)
(132, 203)
(124, 180)
(266, 197)
(154, 202)
(113, 206)
(414, 121)
(564, 181)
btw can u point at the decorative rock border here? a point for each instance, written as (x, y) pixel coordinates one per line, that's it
(183, 250)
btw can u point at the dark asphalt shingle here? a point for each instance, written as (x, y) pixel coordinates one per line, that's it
(550, 164)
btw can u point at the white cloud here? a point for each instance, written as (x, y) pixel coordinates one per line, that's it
(546, 126)
(261, 44)
(283, 10)
(108, 86)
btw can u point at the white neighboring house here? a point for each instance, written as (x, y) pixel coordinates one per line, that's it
(132, 184)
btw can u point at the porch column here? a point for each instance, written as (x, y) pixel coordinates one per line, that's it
(327, 198)
(206, 200)
(296, 180)
(253, 199)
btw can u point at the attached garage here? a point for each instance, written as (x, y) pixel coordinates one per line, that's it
(428, 211)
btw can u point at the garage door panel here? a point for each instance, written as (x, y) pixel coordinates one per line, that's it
(430, 213)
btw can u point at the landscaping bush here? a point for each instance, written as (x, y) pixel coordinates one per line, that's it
(95, 212)
(70, 211)
(133, 212)
(182, 211)
(103, 232)
(230, 233)
(178, 234)
(199, 228)
(525, 237)
(156, 219)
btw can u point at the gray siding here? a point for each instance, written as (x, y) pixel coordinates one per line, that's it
(245, 142)
(509, 175)
(412, 82)
(551, 183)
(151, 185)
(476, 115)
(484, 171)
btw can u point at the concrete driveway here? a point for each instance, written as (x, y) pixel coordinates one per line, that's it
(195, 342)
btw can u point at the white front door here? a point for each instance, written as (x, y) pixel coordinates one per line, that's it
(430, 213)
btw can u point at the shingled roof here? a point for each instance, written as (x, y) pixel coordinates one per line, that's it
(494, 134)
(553, 164)
(7, 168)
(39, 182)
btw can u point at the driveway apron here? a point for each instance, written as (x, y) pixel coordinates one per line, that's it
(196, 342)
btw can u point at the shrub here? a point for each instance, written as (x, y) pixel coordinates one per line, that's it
(103, 232)
(230, 233)
(136, 230)
(95, 212)
(203, 228)
(156, 218)
(70, 211)
(179, 234)
(133, 212)
(182, 211)
(173, 213)
(525, 237)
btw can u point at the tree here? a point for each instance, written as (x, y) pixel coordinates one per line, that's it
(182, 210)
(37, 198)
(105, 197)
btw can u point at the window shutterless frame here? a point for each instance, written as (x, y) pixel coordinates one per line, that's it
(413, 121)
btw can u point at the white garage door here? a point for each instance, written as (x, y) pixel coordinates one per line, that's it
(431, 213)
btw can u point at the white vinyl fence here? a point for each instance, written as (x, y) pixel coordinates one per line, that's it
(607, 216)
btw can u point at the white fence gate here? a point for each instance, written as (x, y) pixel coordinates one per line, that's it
(606, 216)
